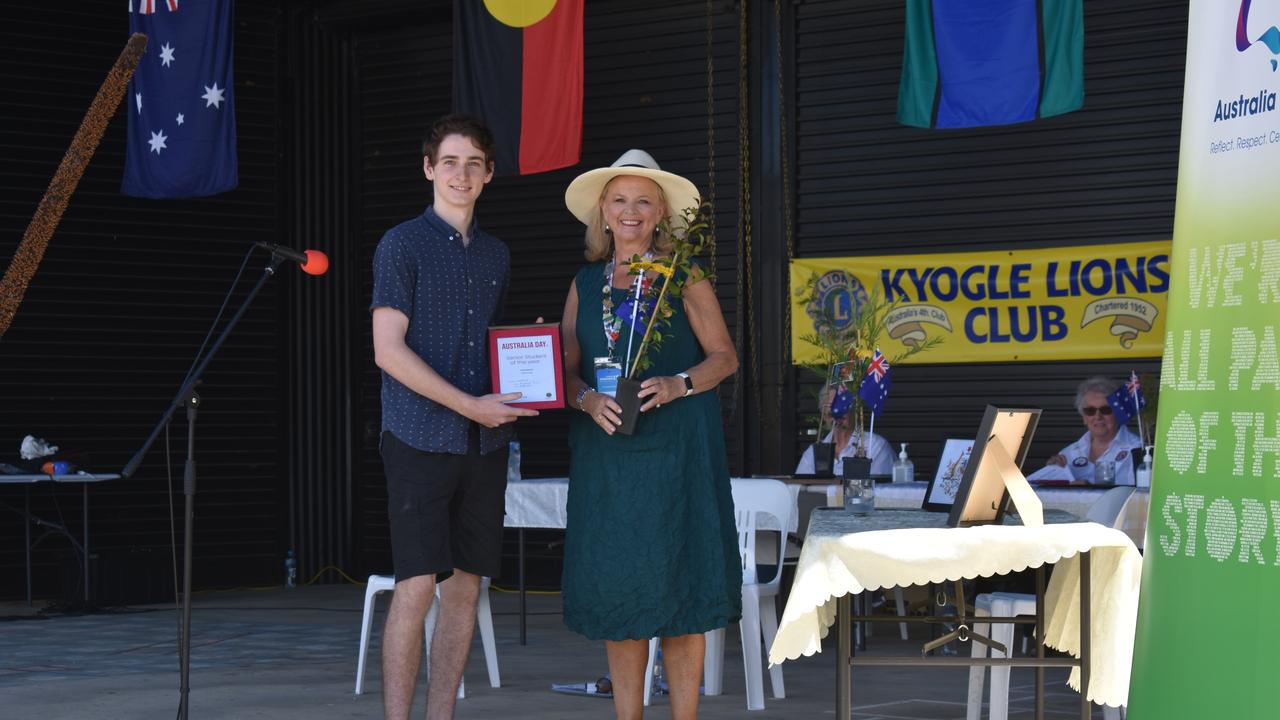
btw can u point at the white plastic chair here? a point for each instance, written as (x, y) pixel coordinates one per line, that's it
(751, 498)
(901, 603)
(1106, 511)
(998, 604)
(484, 618)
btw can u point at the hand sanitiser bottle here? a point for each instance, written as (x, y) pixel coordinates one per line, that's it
(904, 470)
(1144, 470)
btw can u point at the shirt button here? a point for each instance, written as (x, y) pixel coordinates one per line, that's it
(471, 344)
(471, 312)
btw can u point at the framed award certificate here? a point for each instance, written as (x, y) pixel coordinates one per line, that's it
(526, 359)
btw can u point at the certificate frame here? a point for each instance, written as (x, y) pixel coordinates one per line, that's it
(549, 331)
(940, 495)
(994, 469)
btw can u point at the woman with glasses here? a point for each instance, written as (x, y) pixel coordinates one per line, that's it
(1104, 454)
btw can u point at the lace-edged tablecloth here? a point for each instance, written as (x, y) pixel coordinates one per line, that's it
(850, 554)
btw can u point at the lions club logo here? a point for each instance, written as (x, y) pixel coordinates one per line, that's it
(837, 298)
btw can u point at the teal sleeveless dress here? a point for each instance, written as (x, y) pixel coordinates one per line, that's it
(651, 547)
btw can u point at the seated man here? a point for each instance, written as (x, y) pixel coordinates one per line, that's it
(841, 435)
(1104, 439)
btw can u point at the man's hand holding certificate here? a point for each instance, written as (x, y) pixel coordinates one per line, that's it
(526, 359)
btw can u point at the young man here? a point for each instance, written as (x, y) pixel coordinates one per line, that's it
(439, 282)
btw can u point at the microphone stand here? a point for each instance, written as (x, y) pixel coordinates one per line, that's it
(188, 398)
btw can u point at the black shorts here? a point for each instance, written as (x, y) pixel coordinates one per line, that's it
(446, 510)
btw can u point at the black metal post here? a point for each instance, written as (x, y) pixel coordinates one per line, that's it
(1086, 709)
(84, 515)
(192, 402)
(26, 527)
(1039, 642)
(844, 654)
(523, 639)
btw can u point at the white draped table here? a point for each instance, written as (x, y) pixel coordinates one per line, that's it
(534, 503)
(537, 503)
(542, 503)
(848, 554)
(1074, 499)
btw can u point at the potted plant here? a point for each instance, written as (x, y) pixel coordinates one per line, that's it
(846, 350)
(690, 238)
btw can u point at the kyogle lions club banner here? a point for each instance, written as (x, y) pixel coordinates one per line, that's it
(1088, 302)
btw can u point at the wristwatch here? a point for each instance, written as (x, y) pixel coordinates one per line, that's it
(582, 394)
(688, 383)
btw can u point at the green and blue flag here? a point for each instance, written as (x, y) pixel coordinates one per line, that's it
(990, 62)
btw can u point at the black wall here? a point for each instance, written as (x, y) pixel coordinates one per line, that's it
(868, 186)
(333, 99)
(112, 320)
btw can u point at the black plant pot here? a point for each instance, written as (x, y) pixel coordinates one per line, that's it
(823, 458)
(855, 468)
(628, 397)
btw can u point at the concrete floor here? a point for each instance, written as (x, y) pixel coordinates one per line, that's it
(284, 654)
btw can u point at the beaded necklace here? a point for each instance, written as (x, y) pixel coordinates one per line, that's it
(613, 323)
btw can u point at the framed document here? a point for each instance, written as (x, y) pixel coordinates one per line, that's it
(526, 359)
(993, 475)
(941, 493)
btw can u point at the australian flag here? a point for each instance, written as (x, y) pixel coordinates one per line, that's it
(642, 312)
(182, 123)
(875, 386)
(841, 403)
(1127, 400)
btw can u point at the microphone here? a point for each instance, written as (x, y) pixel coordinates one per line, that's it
(312, 262)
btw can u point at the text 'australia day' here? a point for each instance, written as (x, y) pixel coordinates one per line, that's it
(1025, 322)
(522, 345)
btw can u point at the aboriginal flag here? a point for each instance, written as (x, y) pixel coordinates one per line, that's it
(518, 67)
(990, 62)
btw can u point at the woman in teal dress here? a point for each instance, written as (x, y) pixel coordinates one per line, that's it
(651, 547)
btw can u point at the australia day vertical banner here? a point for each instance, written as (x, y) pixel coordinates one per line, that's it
(1207, 627)
(182, 122)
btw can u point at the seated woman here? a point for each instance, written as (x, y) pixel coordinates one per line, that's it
(1104, 439)
(841, 435)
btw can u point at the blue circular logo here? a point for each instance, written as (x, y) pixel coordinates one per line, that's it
(837, 299)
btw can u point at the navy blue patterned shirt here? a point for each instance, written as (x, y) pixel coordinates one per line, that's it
(451, 294)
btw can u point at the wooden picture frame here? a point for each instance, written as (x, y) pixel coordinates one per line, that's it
(1003, 440)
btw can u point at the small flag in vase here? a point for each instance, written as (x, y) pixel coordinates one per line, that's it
(875, 386)
(841, 403)
(1127, 401)
(642, 313)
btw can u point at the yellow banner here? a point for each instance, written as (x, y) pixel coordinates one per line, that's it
(1073, 303)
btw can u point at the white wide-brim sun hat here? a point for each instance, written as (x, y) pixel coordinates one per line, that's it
(583, 195)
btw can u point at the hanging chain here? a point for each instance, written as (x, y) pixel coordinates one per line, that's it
(786, 185)
(745, 320)
(711, 137)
